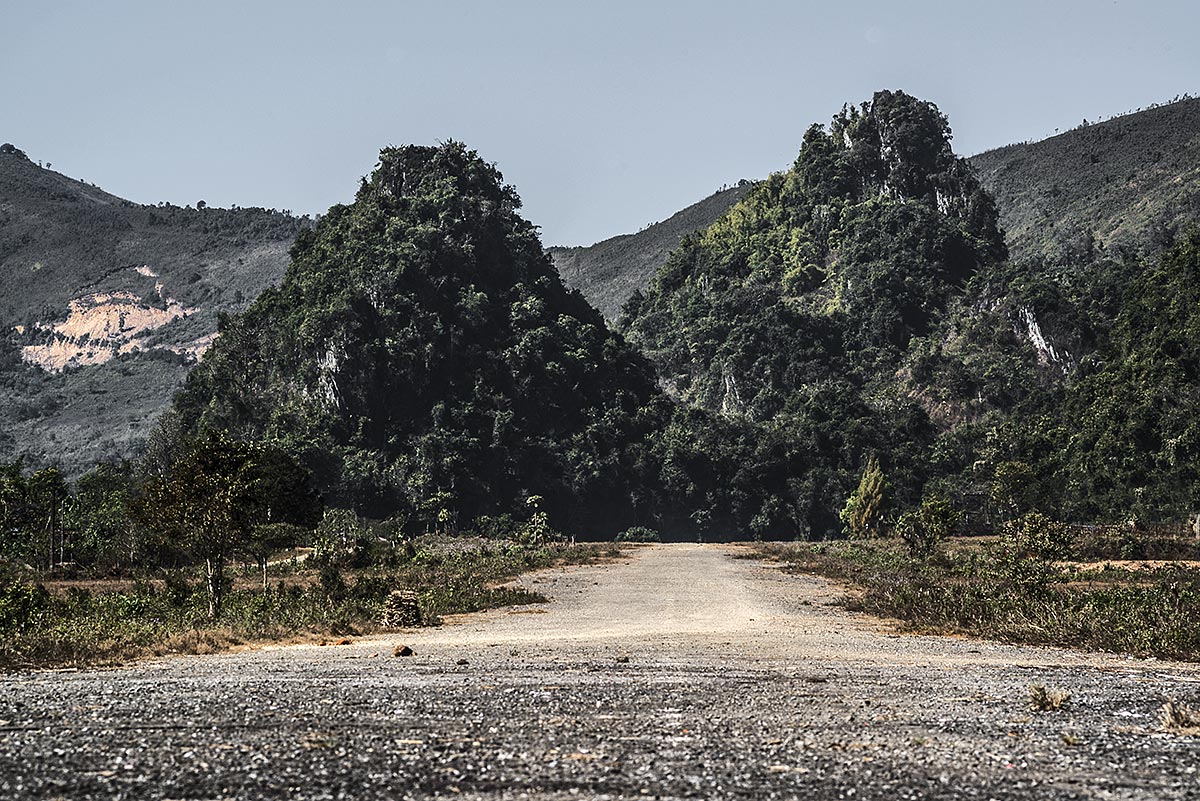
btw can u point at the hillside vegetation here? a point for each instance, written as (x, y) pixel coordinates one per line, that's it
(107, 303)
(1125, 185)
(796, 309)
(848, 351)
(850, 340)
(608, 272)
(860, 311)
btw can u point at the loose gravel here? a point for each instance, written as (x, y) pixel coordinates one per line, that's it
(677, 673)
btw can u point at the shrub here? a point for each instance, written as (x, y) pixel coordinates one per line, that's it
(498, 527)
(1180, 718)
(1036, 536)
(923, 529)
(332, 582)
(638, 534)
(537, 530)
(336, 534)
(19, 601)
(1042, 699)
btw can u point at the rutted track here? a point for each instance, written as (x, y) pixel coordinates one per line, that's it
(680, 672)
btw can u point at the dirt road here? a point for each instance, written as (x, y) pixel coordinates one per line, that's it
(678, 673)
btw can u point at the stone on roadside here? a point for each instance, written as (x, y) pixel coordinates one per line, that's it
(402, 650)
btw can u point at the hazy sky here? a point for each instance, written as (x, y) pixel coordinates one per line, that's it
(605, 115)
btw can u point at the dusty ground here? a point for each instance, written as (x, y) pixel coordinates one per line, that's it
(679, 673)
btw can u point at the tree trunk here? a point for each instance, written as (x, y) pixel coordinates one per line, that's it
(216, 585)
(262, 565)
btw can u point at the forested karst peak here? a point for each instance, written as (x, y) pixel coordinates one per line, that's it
(422, 350)
(895, 147)
(847, 255)
(798, 310)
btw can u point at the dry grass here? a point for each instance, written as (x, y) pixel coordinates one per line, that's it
(111, 621)
(1043, 699)
(979, 589)
(1179, 718)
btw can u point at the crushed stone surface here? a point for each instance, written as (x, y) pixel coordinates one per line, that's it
(680, 672)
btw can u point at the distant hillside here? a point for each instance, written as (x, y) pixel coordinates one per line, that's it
(1128, 182)
(106, 303)
(608, 272)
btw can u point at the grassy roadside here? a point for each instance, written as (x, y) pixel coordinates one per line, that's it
(983, 589)
(70, 624)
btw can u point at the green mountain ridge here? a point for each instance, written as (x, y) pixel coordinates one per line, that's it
(107, 304)
(1126, 185)
(425, 358)
(862, 306)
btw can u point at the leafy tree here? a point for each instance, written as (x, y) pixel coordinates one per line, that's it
(217, 493)
(1036, 536)
(1014, 490)
(13, 510)
(46, 497)
(98, 516)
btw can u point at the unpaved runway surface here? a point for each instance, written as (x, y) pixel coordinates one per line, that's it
(679, 673)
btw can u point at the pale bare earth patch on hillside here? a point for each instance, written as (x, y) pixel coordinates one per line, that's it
(101, 325)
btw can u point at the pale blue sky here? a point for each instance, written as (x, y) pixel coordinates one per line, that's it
(605, 115)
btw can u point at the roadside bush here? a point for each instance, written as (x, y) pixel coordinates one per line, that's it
(19, 601)
(638, 534)
(990, 592)
(1096, 543)
(925, 528)
(495, 527)
(332, 582)
(537, 531)
(1035, 536)
(336, 535)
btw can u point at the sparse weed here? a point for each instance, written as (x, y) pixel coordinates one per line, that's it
(1180, 718)
(989, 591)
(1043, 699)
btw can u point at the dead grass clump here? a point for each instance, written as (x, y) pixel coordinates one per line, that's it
(1042, 699)
(1180, 718)
(198, 641)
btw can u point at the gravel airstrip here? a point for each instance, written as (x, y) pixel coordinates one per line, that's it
(679, 672)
